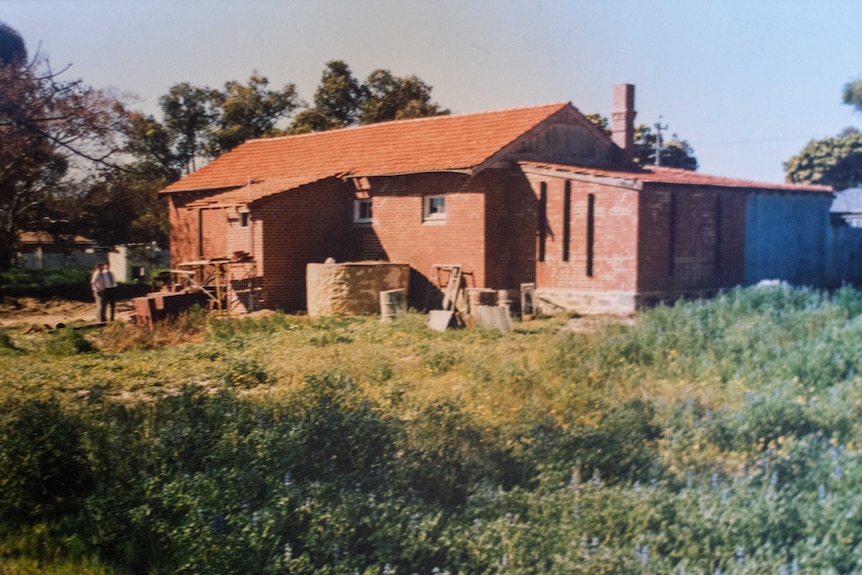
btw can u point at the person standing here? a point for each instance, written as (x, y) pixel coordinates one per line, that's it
(97, 284)
(110, 293)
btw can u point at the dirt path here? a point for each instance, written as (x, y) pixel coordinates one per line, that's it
(21, 312)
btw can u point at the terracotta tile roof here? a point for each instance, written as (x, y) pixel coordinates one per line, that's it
(438, 143)
(675, 176)
(254, 191)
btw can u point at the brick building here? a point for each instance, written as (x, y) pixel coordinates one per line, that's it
(531, 195)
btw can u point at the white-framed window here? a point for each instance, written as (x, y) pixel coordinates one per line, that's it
(362, 211)
(434, 208)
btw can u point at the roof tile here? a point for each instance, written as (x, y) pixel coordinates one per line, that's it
(437, 143)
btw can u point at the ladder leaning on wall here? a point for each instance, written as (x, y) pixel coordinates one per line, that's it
(453, 284)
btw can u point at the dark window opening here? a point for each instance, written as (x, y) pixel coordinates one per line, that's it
(718, 238)
(567, 217)
(591, 231)
(671, 255)
(362, 210)
(243, 219)
(543, 219)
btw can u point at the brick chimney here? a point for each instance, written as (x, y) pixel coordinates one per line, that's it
(623, 120)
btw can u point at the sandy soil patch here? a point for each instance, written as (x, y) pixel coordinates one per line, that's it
(24, 311)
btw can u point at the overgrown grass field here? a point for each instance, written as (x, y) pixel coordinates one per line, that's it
(718, 436)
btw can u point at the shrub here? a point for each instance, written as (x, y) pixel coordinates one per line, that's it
(45, 284)
(44, 471)
(6, 341)
(68, 341)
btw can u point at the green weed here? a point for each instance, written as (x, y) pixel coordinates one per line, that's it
(709, 436)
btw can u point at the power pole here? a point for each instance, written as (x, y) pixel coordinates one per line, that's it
(658, 128)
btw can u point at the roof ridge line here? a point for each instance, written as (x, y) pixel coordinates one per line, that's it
(409, 120)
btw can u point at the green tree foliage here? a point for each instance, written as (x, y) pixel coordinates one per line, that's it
(601, 123)
(189, 115)
(852, 95)
(198, 123)
(835, 162)
(389, 97)
(337, 101)
(123, 207)
(339, 95)
(153, 147)
(341, 100)
(247, 111)
(675, 152)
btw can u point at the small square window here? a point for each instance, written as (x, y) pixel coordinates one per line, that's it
(362, 211)
(243, 219)
(435, 208)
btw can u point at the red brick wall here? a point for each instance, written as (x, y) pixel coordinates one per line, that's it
(184, 229)
(243, 239)
(222, 234)
(213, 236)
(695, 265)
(299, 227)
(510, 233)
(491, 228)
(615, 235)
(399, 234)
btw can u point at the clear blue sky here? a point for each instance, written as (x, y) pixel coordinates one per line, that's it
(746, 82)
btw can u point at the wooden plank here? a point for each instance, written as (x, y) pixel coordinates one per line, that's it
(439, 319)
(452, 288)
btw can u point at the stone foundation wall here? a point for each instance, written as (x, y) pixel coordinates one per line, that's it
(550, 301)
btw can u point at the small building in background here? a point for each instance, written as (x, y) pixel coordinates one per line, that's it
(137, 262)
(42, 251)
(846, 236)
(134, 262)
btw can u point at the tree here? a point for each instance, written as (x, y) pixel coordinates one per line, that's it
(389, 97)
(246, 111)
(123, 207)
(12, 49)
(835, 162)
(675, 152)
(189, 114)
(601, 123)
(153, 147)
(341, 101)
(852, 95)
(337, 101)
(52, 134)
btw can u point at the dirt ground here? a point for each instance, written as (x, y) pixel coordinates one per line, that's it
(24, 311)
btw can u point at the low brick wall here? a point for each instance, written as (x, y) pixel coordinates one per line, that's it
(352, 288)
